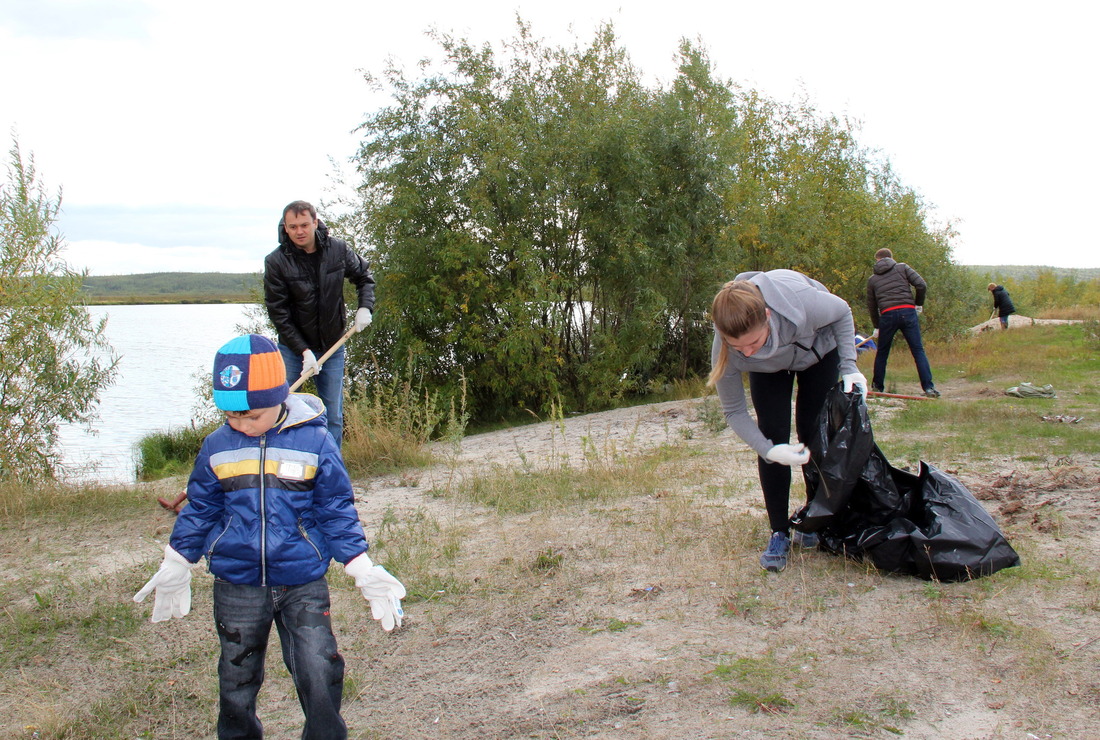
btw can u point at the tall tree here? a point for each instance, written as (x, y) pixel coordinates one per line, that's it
(547, 228)
(54, 360)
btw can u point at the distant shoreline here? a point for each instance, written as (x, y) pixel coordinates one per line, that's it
(174, 287)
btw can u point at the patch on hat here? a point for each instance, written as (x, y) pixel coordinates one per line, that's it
(230, 376)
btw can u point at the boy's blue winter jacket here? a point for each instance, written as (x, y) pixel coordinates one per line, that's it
(279, 527)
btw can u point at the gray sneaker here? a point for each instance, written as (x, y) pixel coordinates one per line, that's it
(774, 558)
(932, 393)
(805, 540)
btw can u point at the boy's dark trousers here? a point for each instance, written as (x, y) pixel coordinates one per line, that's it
(243, 616)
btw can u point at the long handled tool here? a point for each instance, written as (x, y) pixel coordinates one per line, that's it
(880, 394)
(177, 504)
(307, 374)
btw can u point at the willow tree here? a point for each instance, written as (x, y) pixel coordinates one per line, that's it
(503, 196)
(54, 360)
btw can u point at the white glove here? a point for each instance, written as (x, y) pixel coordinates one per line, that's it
(920, 309)
(792, 455)
(874, 334)
(310, 366)
(383, 591)
(362, 319)
(856, 382)
(173, 585)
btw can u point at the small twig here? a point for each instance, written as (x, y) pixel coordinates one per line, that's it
(1083, 645)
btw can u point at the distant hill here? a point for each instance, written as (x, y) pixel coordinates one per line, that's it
(175, 287)
(1026, 272)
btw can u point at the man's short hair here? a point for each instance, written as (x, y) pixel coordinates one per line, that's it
(879, 255)
(299, 207)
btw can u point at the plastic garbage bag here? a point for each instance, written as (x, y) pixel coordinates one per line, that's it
(927, 525)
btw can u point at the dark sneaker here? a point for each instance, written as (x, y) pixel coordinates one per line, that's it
(775, 557)
(805, 540)
(877, 388)
(932, 393)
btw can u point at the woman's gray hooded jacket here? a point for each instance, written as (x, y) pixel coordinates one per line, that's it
(806, 322)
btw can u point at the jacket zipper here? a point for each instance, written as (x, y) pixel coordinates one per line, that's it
(263, 510)
(305, 536)
(214, 544)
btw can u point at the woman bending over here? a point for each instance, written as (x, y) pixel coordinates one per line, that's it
(780, 326)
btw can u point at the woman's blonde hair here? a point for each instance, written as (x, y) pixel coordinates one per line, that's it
(737, 310)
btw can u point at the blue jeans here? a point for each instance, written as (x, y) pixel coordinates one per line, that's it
(243, 617)
(907, 322)
(330, 386)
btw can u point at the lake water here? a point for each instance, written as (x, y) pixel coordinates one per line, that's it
(163, 352)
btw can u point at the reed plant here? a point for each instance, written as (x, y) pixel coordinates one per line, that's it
(389, 427)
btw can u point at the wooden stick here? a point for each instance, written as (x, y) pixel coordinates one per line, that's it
(880, 394)
(307, 374)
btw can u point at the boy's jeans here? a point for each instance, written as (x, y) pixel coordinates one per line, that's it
(243, 617)
(330, 386)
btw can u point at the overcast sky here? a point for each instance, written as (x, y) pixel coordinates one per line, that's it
(179, 130)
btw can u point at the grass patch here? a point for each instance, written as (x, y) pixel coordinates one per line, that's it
(421, 553)
(173, 452)
(597, 479)
(758, 682)
(60, 502)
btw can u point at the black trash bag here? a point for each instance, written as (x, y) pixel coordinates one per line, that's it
(945, 536)
(843, 459)
(927, 525)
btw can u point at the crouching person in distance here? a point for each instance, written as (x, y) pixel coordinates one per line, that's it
(779, 326)
(270, 505)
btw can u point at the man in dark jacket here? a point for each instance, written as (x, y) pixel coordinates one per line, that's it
(1002, 304)
(304, 291)
(893, 308)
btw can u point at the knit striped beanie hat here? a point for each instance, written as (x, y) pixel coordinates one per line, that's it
(249, 374)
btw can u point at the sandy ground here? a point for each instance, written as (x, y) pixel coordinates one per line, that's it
(658, 621)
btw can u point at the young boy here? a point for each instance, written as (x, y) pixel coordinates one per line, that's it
(270, 505)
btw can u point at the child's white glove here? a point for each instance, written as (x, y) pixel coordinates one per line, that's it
(793, 455)
(362, 319)
(173, 585)
(383, 591)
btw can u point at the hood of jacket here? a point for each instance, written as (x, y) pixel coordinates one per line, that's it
(788, 295)
(301, 409)
(884, 265)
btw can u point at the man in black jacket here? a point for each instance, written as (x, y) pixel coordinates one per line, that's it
(304, 291)
(893, 308)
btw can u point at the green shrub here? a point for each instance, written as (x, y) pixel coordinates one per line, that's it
(163, 454)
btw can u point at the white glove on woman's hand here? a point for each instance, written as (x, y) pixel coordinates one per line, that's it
(362, 319)
(874, 334)
(173, 585)
(792, 455)
(920, 309)
(310, 366)
(854, 382)
(383, 591)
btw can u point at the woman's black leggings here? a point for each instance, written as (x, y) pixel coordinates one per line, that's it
(771, 398)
